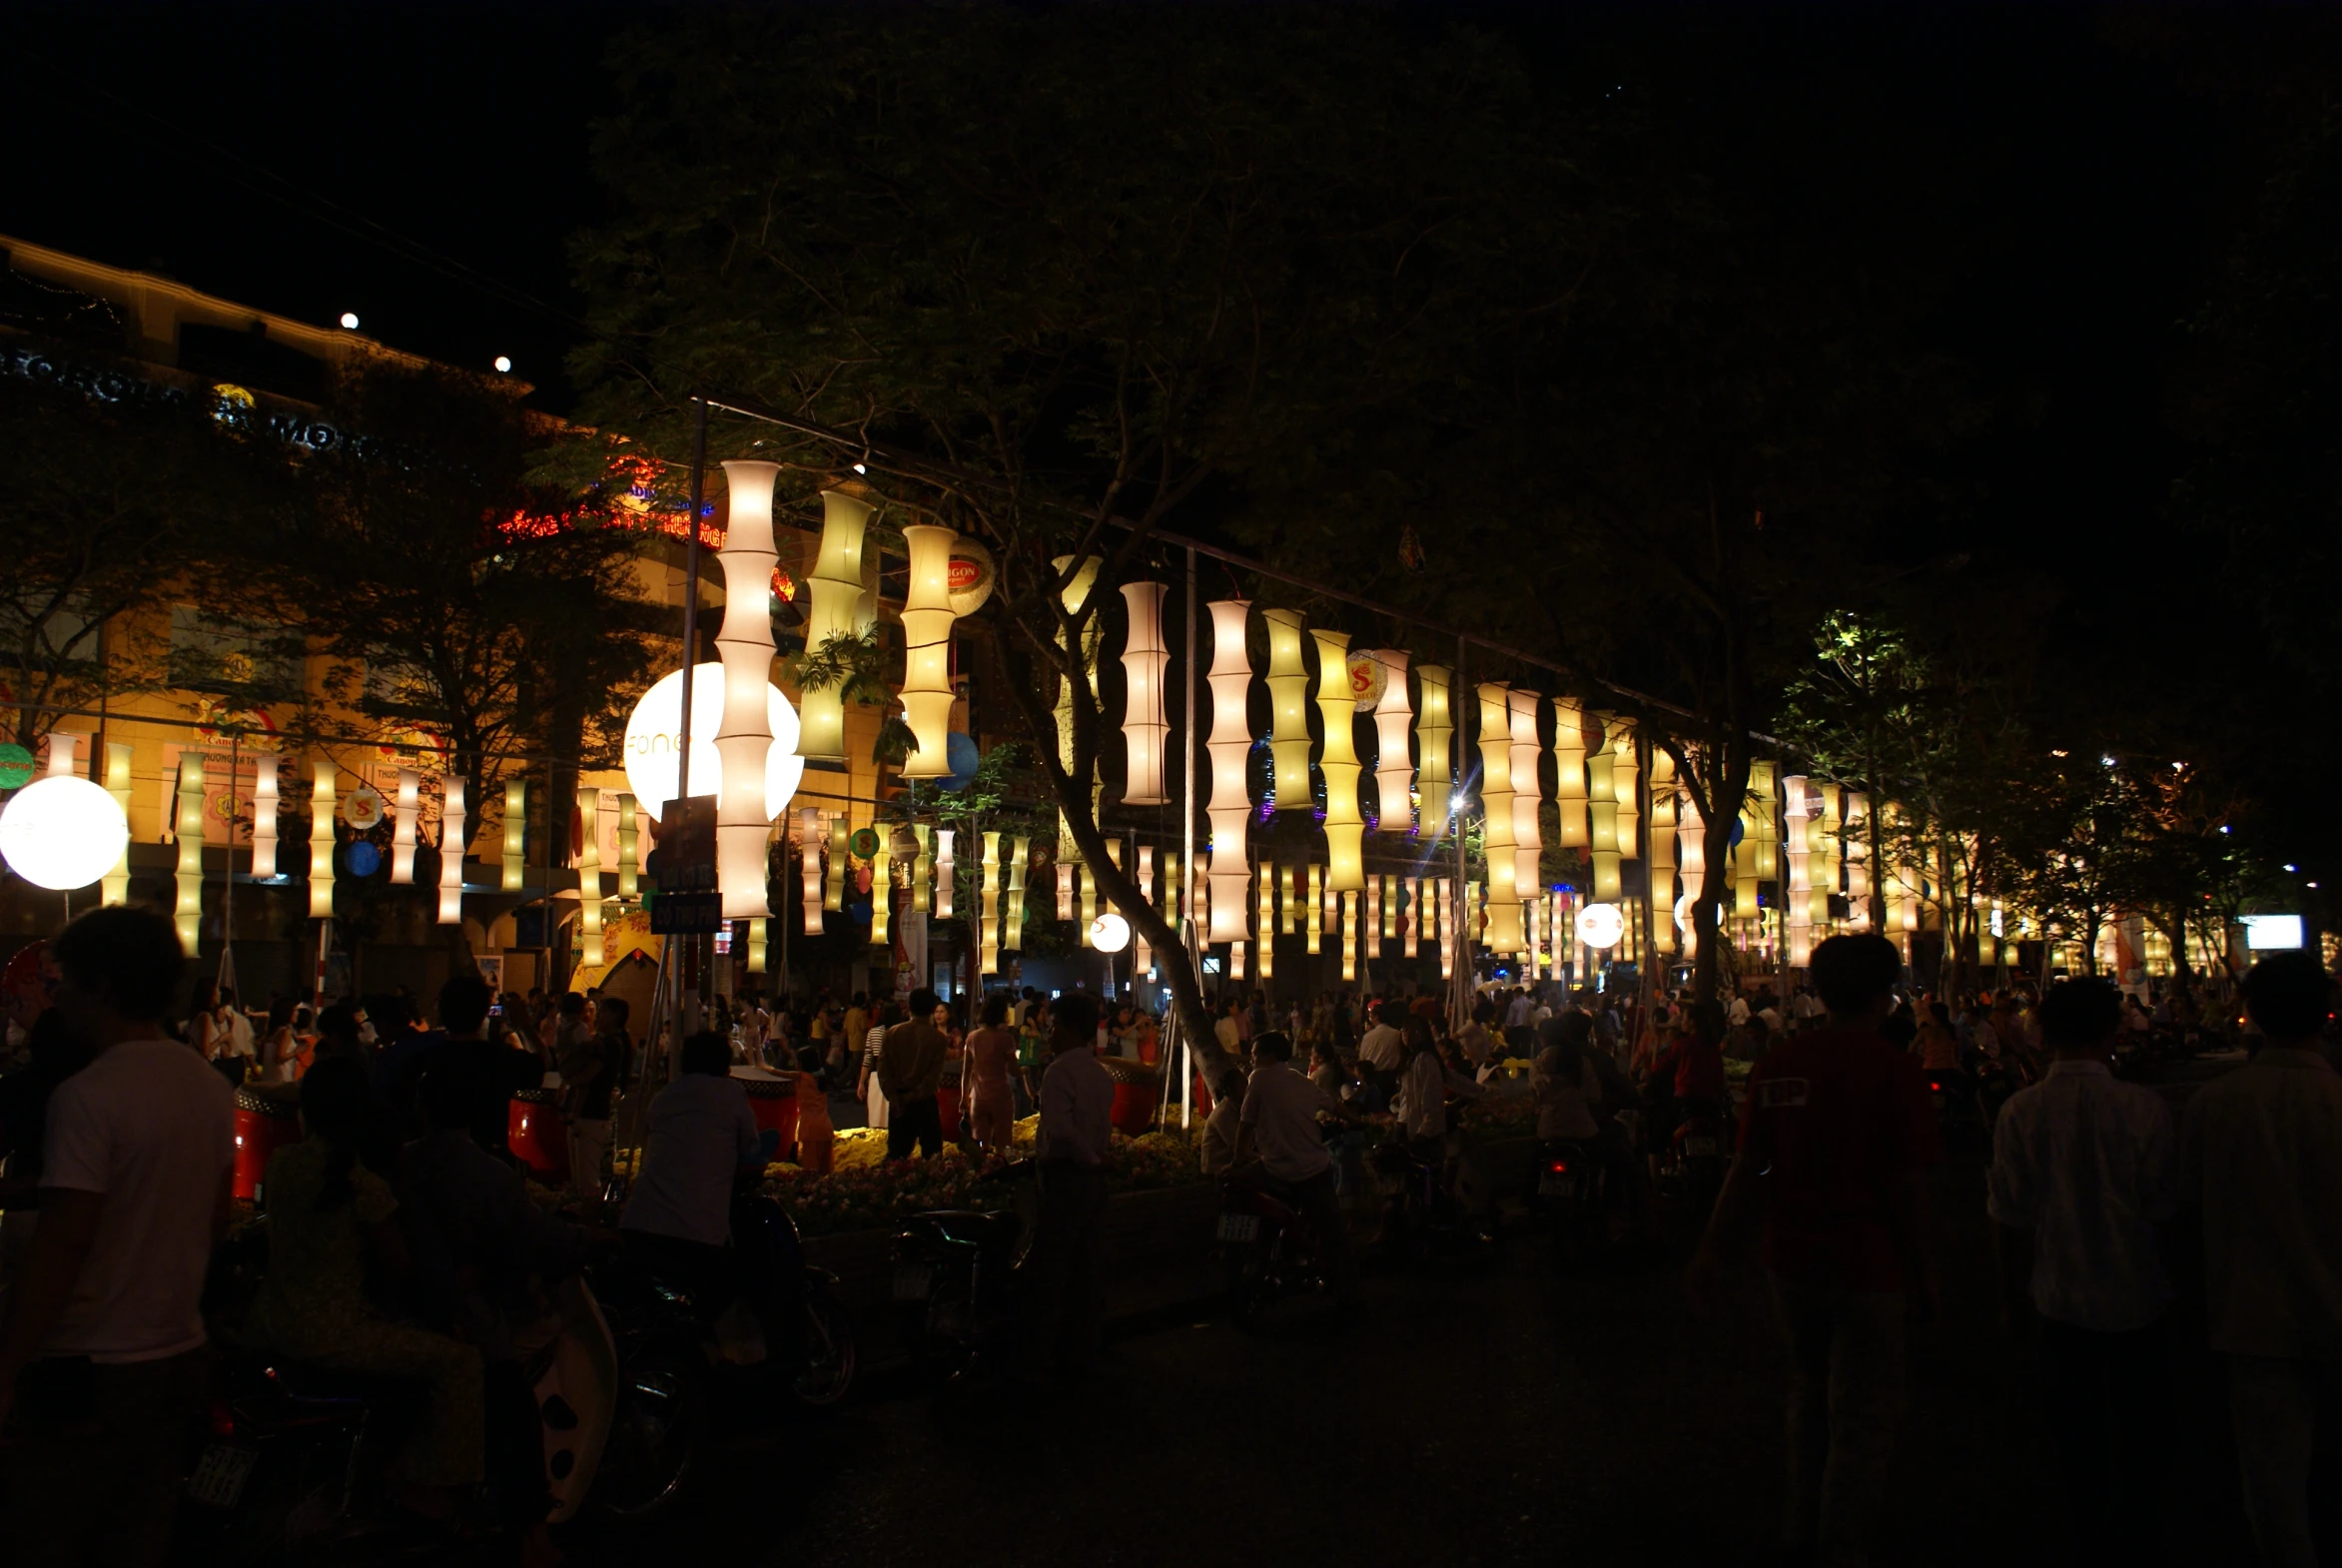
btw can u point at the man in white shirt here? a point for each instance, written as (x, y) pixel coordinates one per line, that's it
(1738, 1014)
(1066, 1264)
(1421, 1106)
(2084, 1169)
(1280, 1125)
(1228, 1032)
(700, 1137)
(1383, 1047)
(101, 1349)
(240, 1041)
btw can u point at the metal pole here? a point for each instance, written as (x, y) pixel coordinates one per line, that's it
(689, 1000)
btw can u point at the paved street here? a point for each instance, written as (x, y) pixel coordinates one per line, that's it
(1515, 1419)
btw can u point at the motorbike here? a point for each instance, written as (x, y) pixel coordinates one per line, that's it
(956, 1284)
(1268, 1248)
(1698, 1152)
(672, 1363)
(1568, 1185)
(1959, 1114)
(1423, 1223)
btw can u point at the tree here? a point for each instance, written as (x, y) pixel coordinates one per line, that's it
(1065, 276)
(463, 604)
(125, 507)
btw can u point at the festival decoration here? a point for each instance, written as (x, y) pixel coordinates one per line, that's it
(62, 832)
(1289, 688)
(321, 837)
(927, 651)
(882, 894)
(1267, 963)
(188, 829)
(1625, 788)
(943, 873)
(451, 842)
(114, 887)
(1317, 907)
(1230, 744)
(1796, 894)
(1602, 808)
(970, 577)
(655, 734)
(1012, 919)
(1527, 792)
(1143, 661)
(1663, 849)
(1337, 759)
(746, 732)
(1601, 925)
(1109, 933)
(1496, 792)
(589, 875)
(833, 892)
(1434, 734)
(1569, 761)
(1394, 775)
(1349, 935)
(1445, 887)
(516, 833)
(630, 847)
(989, 886)
(835, 612)
(402, 816)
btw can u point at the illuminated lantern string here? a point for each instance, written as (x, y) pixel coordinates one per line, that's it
(1434, 734)
(927, 652)
(1768, 821)
(451, 842)
(1569, 760)
(744, 736)
(187, 827)
(1288, 695)
(1317, 907)
(809, 900)
(321, 837)
(264, 817)
(1821, 843)
(1088, 906)
(1143, 661)
(1413, 904)
(1527, 793)
(630, 847)
(1394, 776)
(515, 836)
(943, 873)
(835, 586)
(1337, 759)
(758, 945)
(589, 875)
(1230, 679)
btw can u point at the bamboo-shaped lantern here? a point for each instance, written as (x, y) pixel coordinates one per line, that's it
(1434, 735)
(1395, 776)
(321, 837)
(1144, 662)
(403, 821)
(1663, 850)
(1569, 761)
(927, 651)
(515, 834)
(1796, 895)
(188, 828)
(835, 611)
(1337, 759)
(629, 848)
(1527, 794)
(1504, 901)
(1288, 696)
(943, 873)
(589, 875)
(264, 816)
(452, 839)
(809, 869)
(1230, 679)
(744, 737)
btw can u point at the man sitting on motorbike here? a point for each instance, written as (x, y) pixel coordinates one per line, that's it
(1279, 1126)
(701, 1141)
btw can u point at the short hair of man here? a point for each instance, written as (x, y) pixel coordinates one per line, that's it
(611, 1013)
(463, 1004)
(571, 1005)
(996, 1010)
(126, 956)
(1274, 1044)
(1850, 972)
(1075, 1015)
(2080, 1013)
(707, 1051)
(924, 1002)
(2289, 995)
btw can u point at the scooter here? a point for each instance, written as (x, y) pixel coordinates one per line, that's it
(1424, 1223)
(1567, 1187)
(956, 1285)
(1268, 1248)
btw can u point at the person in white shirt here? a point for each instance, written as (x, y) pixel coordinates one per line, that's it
(2085, 1169)
(1383, 1047)
(1227, 1031)
(1739, 1012)
(102, 1343)
(1421, 1106)
(1279, 1127)
(1066, 1269)
(700, 1137)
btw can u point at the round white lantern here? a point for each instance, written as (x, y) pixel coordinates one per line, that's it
(1108, 932)
(1600, 926)
(655, 734)
(62, 833)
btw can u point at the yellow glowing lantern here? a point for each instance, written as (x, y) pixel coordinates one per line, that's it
(1602, 810)
(1527, 793)
(1372, 912)
(1288, 696)
(835, 611)
(264, 812)
(1267, 963)
(1349, 935)
(630, 847)
(589, 875)
(1317, 907)
(1625, 788)
(1858, 861)
(833, 892)
(1434, 735)
(1337, 759)
(1569, 760)
(1663, 849)
(1286, 915)
(1504, 903)
(188, 828)
(809, 878)
(1143, 661)
(1796, 894)
(1088, 905)
(927, 650)
(452, 840)
(1445, 887)
(1013, 920)
(1080, 581)
(922, 868)
(1230, 679)
(1768, 820)
(882, 893)
(943, 873)
(758, 943)
(408, 808)
(1394, 775)
(989, 888)
(515, 834)
(321, 837)
(1141, 954)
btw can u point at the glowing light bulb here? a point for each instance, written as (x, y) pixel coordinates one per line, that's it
(350, 319)
(503, 365)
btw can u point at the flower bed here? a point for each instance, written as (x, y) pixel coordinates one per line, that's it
(1512, 1116)
(864, 1193)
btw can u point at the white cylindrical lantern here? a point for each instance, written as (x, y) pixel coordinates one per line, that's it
(1497, 791)
(744, 736)
(1288, 696)
(927, 650)
(1394, 775)
(516, 835)
(451, 841)
(1626, 772)
(809, 898)
(1143, 661)
(943, 873)
(882, 894)
(834, 611)
(1230, 744)
(988, 925)
(1317, 908)
(1065, 891)
(402, 827)
(1527, 793)
(264, 816)
(1434, 736)
(188, 828)
(630, 847)
(589, 876)
(1569, 759)
(321, 837)
(1337, 759)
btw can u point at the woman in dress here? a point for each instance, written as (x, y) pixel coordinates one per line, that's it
(986, 1066)
(872, 1095)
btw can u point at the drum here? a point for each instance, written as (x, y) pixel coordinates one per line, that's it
(263, 1126)
(539, 1139)
(772, 1097)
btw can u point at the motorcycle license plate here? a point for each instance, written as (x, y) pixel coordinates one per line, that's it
(1557, 1183)
(1697, 1147)
(1239, 1227)
(912, 1281)
(219, 1477)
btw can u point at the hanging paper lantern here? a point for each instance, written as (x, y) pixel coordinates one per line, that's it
(1821, 843)
(1447, 928)
(1434, 733)
(989, 888)
(1349, 935)
(1527, 793)
(970, 577)
(1108, 932)
(589, 875)
(321, 837)
(1337, 759)
(927, 650)
(1569, 760)
(1858, 862)
(1796, 895)
(61, 832)
(836, 585)
(1625, 788)
(1072, 597)
(1317, 907)
(833, 892)
(1419, 903)
(745, 734)
(1088, 914)
(1013, 915)
(1663, 849)
(630, 847)
(943, 873)
(402, 827)
(1266, 917)
(922, 868)
(809, 896)
(1372, 931)
(882, 894)
(1289, 696)
(1496, 792)
(1394, 776)
(1764, 811)
(188, 828)
(1065, 890)
(452, 845)
(1144, 662)
(1230, 744)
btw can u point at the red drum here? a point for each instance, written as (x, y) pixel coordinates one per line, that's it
(773, 1099)
(539, 1136)
(263, 1126)
(1138, 1090)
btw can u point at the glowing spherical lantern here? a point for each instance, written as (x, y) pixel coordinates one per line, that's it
(655, 734)
(1109, 933)
(62, 832)
(1601, 925)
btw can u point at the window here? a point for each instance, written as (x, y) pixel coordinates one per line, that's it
(210, 652)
